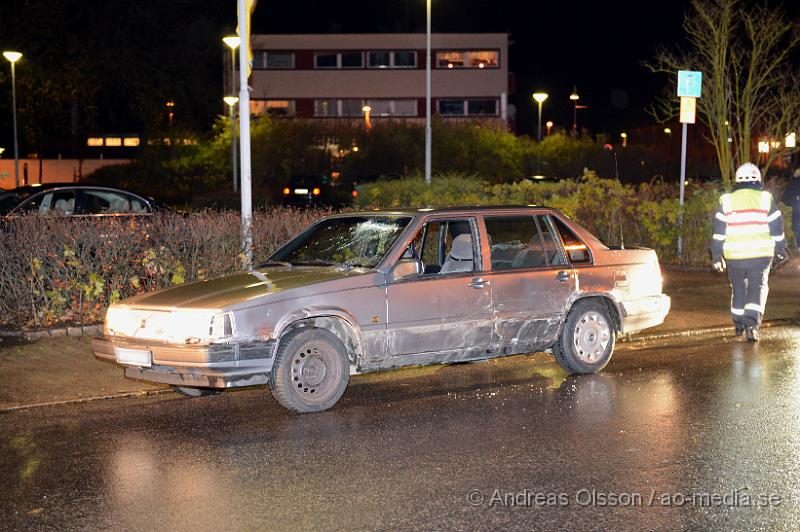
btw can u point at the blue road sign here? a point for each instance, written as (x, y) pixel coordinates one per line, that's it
(690, 83)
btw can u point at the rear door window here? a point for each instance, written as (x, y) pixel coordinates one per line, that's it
(111, 202)
(52, 202)
(577, 251)
(522, 242)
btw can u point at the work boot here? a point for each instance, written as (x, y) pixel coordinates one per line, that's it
(739, 330)
(752, 334)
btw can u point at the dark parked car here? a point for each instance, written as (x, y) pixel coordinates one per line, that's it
(307, 190)
(72, 199)
(370, 291)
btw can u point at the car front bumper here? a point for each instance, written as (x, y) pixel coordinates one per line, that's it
(643, 313)
(226, 365)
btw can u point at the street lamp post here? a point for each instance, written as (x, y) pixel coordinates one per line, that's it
(428, 132)
(574, 97)
(13, 57)
(232, 101)
(549, 125)
(540, 97)
(367, 109)
(233, 41)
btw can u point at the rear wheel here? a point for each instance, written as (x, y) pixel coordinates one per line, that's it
(311, 370)
(193, 391)
(587, 338)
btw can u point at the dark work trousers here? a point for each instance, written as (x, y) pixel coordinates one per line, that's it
(749, 286)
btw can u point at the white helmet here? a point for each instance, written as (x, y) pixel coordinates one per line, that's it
(748, 173)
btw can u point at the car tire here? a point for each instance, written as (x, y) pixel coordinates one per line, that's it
(587, 338)
(311, 371)
(195, 391)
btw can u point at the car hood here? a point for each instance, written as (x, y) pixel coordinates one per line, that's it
(221, 292)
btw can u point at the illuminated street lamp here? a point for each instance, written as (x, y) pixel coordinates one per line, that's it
(367, 110)
(763, 146)
(13, 57)
(232, 101)
(624, 137)
(574, 97)
(549, 125)
(540, 97)
(668, 131)
(791, 140)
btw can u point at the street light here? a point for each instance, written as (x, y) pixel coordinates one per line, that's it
(668, 131)
(574, 97)
(367, 110)
(549, 125)
(428, 132)
(540, 97)
(624, 137)
(13, 57)
(232, 101)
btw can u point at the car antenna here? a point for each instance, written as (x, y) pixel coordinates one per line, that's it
(621, 233)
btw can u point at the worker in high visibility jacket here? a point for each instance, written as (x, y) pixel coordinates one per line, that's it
(748, 234)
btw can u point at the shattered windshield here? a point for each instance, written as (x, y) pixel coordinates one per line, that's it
(356, 241)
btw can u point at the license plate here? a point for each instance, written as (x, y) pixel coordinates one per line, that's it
(133, 357)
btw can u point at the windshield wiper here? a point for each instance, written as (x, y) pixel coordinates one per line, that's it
(316, 262)
(275, 263)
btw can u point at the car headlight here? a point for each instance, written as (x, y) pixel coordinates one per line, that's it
(177, 326)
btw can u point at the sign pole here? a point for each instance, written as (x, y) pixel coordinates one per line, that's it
(683, 181)
(245, 190)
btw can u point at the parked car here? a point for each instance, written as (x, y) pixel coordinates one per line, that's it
(73, 199)
(316, 190)
(369, 291)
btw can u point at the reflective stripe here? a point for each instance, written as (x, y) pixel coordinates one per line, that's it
(737, 311)
(754, 306)
(719, 237)
(747, 217)
(748, 229)
(726, 202)
(779, 238)
(749, 244)
(774, 216)
(721, 217)
(766, 200)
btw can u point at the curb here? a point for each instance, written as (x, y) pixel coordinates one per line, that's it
(140, 393)
(76, 331)
(707, 331)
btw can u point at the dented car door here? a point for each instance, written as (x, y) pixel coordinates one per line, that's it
(531, 281)
(445, 312)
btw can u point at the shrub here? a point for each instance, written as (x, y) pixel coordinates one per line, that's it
(56, 271)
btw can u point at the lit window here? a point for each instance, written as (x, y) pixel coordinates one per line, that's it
(280, 107)
(130, 142)
(450, 59)
(468, 59)
(113, 141)
(94, 141)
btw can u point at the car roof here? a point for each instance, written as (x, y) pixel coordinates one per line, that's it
(407, 211)
(29, 190)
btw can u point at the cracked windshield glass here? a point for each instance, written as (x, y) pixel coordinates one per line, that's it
(359, 242)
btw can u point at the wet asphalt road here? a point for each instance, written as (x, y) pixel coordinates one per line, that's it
(511, 443)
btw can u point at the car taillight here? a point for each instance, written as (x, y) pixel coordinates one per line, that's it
(316, 191)
(355, 193)
(286, 191)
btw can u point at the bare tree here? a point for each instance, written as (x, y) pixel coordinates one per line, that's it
(751, 90)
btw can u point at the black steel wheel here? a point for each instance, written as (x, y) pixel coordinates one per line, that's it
(311, 370)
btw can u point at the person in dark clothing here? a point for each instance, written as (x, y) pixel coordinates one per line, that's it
(791, 198)
(748, 232)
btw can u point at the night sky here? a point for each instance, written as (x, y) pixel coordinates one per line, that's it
(144, 53)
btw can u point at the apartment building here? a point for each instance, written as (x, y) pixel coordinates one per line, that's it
(335, 76)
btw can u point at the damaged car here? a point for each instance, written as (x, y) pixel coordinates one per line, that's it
(361, 292)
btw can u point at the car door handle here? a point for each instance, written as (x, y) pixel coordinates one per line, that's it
(562, 276)
(479, 283)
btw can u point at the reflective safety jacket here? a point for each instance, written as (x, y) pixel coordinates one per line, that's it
(747, 225)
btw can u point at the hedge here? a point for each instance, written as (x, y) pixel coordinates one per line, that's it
(56, 270)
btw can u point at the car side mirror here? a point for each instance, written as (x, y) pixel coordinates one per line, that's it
(406, 268)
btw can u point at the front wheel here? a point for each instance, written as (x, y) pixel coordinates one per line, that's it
(587, 338)
(311, 371)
